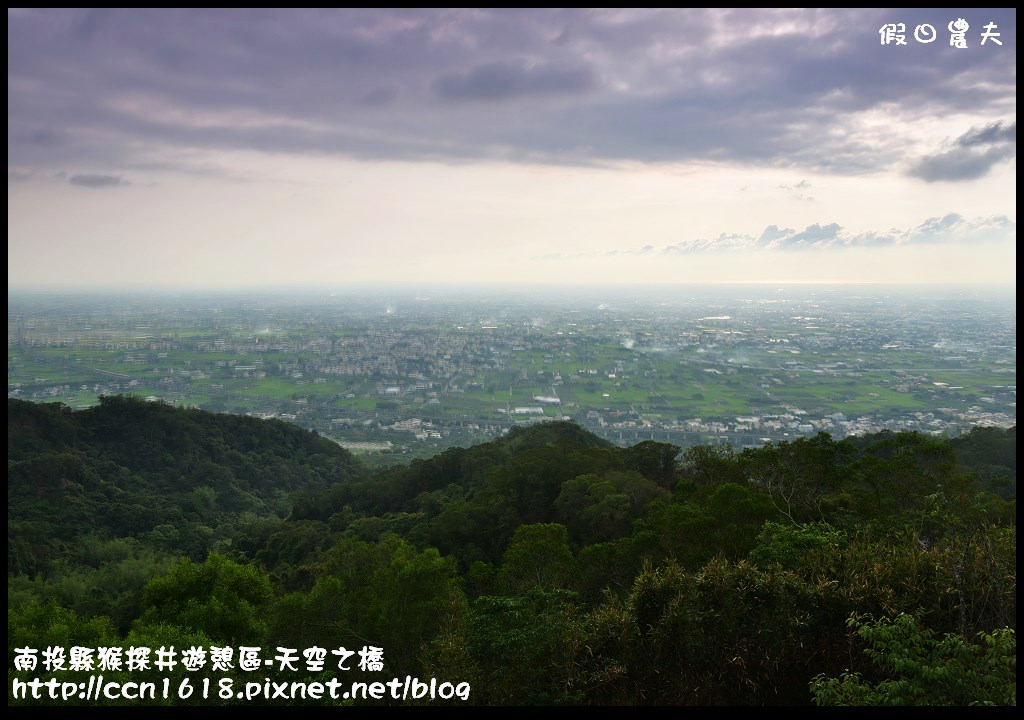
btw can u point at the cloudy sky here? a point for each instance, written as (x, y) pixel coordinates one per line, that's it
(246, 148)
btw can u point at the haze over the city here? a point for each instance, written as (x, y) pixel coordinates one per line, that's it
(202, 148)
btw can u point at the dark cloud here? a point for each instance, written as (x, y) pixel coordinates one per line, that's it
(972, 154)
(45, 137)
(380, 96)
(961, 164)
(88, 24)
(988, 135)
(97, 181)
(778, 88)
(502, 81)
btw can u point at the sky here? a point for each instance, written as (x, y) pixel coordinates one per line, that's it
(251, 148)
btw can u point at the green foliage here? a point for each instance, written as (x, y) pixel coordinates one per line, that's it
(39, 625)
(101, 577)
(920, 668)
(538, 556)
(722, 519)
(992, 453)
(799, 476)
(787, 546)
(655, 461)
(220, 598)
(127, 466)
(387, 594)
(596, 574)
(611, 566)
(170, 481)
(164, 635)
(707, 464)
(603, 507)
(726, 633)
(519, 650)
(481, 579)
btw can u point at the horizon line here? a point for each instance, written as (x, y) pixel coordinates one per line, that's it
(321, 285)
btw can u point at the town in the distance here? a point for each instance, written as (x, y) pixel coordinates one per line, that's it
(394, 374)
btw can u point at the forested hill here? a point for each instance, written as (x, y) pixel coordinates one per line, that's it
(170, 477)
(546, 567)
(161, 440)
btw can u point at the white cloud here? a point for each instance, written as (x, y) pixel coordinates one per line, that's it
(947, 229)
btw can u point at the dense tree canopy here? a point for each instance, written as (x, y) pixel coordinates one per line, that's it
(547, 567)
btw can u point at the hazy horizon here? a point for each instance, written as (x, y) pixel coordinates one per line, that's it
(426, 292)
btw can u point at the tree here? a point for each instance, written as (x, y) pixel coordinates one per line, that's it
(922, 669)
(602, 507)
(39, 626)
(786, 545)
(728, 634)
(521, 650)
(707, 464)
(538, 556)
(654, 460)
(220, 597)
(798, 476)
(388, 594)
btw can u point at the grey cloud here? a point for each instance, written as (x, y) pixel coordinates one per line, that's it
(585, 87)
(972, 154)
(951, 228)
(961, 164)
(45, 137)
(938, 226)
(994, 133)
(501, 81)
(772, 233)
(954, 228)
(97, 181)
(89, 23)
(814, 235)
(380, 96)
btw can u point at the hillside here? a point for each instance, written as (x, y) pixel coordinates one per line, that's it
(141, 483)
(547, 566)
